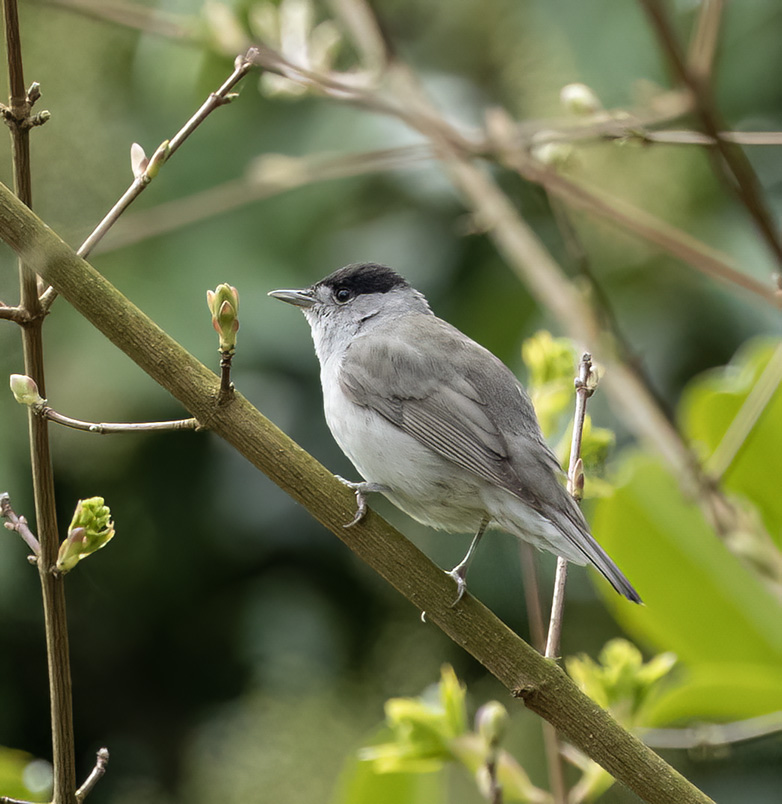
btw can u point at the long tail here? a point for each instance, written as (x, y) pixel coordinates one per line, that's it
(575, 527)
(605, 565)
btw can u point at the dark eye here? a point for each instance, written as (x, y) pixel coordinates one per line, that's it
(342, 295)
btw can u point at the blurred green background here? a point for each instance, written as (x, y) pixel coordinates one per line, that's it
(225, 646)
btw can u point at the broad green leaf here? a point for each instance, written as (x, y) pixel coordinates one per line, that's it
(722, 692)
(700, 601)
(710, 405)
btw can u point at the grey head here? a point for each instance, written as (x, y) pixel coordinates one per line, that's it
(351, 302)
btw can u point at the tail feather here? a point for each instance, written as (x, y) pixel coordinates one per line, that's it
(575, 527)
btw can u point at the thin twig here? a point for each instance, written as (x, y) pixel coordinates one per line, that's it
(554, 760)
(708, 735)
(226, 386)
(585, 387)
(703, 47)
(265, 177)
(105, 428)
(529, 579)
(52, 588)
(733, 162)
(18, 523)
(703, 258)
(17, 314)
(242, 65)
(96, 773)
(746, 418)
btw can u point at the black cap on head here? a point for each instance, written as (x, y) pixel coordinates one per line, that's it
(365, 277)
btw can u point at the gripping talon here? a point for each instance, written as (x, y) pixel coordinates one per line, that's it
(361, 489)
(361, 509)
(461, 584)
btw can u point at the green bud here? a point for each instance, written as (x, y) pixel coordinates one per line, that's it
(157, 159)
(91, 528)
(491, 723)
(223, 303)
(25, 390)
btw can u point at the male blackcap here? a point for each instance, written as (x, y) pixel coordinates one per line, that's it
(436, 422)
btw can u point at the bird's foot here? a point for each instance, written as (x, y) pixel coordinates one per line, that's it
(458, 574)
(361, 489)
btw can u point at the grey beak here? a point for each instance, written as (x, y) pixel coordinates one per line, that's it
(299, 298)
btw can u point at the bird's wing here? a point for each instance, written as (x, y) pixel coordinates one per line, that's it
(449, 393)
(459, 400)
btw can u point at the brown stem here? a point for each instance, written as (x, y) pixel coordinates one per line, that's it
(105, 428)
(56, 627)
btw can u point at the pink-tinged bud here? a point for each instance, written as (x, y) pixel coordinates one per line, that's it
(25, 390)
(138, 160)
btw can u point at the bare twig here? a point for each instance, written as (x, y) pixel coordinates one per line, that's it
(105, 428)
(585, 387)
(265, 177)
(18, 523)
(242, 65)
(554, 763)
(703, 47)
(96, 773)
(17, 314)
(733, 161)
(226, 386)
(714, 735)
(9, 800)
(703, 258)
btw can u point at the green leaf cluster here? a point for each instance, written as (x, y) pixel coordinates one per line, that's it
(91, 528)
(424, 735)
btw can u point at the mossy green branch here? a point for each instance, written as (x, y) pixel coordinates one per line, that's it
(543, 686)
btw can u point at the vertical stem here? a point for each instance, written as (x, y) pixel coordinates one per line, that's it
(575, 476)
(574, 485)
(53, 593)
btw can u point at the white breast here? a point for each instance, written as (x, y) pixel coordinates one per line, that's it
(424, 485)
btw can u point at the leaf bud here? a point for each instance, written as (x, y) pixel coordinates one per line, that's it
(25, 390)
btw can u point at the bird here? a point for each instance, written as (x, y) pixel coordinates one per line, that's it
(435, 422)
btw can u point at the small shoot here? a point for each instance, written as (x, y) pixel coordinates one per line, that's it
(223, 303)
(91, 528)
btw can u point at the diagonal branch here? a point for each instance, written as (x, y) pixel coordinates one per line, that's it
(543, 686)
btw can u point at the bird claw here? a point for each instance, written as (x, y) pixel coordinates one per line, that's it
(361, 490)
(461, 584)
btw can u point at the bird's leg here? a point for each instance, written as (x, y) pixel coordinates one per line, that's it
(459, 572)
(362, 489)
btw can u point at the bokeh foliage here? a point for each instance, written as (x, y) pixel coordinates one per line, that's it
(224, 646)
